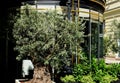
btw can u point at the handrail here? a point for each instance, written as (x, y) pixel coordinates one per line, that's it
(99, 2)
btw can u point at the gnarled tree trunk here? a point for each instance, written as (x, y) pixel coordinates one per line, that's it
(41, 75)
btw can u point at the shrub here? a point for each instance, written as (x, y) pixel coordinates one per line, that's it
(108, 79)
(99, 72)
(87, 79)
(68, 79)
(81, 70)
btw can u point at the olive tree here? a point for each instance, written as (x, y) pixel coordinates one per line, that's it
(47, 37)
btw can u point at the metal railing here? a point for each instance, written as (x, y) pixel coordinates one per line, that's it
(101, 2)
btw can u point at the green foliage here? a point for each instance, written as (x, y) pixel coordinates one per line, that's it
(87, 79)
(47, 37)
(101, 70)
(97, 73)
(102, 65)
(94, 65)
(97, 76)
(68, 79)
(115, 28)
(108, 79)
(108, 44)
(81, 69)
(114, 70)
(98, 65)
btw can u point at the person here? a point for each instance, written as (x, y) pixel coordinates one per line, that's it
(27, 68)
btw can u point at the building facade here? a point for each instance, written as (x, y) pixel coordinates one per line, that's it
(112, 12)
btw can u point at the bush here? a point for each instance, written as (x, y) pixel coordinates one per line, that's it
(99, 72)
(108, 79)
(97, 76)
(68, 79)
(87, 79)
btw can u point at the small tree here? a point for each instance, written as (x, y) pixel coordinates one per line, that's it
(115, 28)
(47, 37)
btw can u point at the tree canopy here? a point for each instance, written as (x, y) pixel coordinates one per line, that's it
(47, 37)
